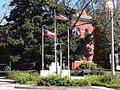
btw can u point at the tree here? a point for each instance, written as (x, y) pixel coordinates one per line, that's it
(102, 28)
(101, 23)
(79, 47)
(25, 21)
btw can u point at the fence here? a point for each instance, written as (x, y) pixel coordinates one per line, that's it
(21, 66)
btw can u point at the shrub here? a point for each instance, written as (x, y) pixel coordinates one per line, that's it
(93, 66)
(24, 77)
(84, 65)
(98, 72)
(56, 80)
(87, 65)
(34, 77)
(21, 77)
(105, 80)
(53, 80)
(94, 80)
(75, 73)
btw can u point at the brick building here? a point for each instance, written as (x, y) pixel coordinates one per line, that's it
(83, 26)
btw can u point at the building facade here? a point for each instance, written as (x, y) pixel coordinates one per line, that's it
(82, 26)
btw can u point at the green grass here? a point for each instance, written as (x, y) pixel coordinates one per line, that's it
(109, 72)
(3, 74)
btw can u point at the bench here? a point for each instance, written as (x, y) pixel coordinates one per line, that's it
(85, 71)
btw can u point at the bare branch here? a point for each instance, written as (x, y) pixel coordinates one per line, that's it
(81, 13)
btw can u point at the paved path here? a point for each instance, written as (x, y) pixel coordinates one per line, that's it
(70, 88)
(7, 84)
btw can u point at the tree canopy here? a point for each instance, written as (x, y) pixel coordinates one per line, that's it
(24, 32)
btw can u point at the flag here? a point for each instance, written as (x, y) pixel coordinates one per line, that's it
(48, 33)
(60, 17)
(75, 32)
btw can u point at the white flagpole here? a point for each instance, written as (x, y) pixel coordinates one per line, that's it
(68, 50)
(55, 39)
(42, 47)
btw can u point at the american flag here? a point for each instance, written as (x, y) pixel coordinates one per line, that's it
(60, 17)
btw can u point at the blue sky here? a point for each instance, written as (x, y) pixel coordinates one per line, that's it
(3, 9)
(4, 1)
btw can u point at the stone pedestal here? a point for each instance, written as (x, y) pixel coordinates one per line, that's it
(65, 73)
(53, 69)
(44, 73)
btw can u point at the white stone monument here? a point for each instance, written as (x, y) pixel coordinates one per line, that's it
(44, 73)
(53, 69)
(65, 73)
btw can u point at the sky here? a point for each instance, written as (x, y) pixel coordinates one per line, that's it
(4, 9)
(3, 1)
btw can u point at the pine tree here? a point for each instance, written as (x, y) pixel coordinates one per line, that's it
(24, 30)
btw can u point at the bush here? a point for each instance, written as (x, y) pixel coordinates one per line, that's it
(56, 80)
(93, 66)
(53, 80)
(87, 65)
(50, 80)
(97, 72)
(75, 73)
(84, 65)
(24, 77)
(105, 80)
(94, 80)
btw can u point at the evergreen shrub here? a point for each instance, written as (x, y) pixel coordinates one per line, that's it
(112, 81)
(24, 77)
(84, 65)
(56, 80)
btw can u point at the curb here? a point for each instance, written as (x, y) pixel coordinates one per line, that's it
(27, 87)
(103, 88)
(45, 87)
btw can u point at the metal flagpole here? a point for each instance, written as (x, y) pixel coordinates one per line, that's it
(42, 47)
(55, 39)
(60, 58)
(68, 50)
(112, 44)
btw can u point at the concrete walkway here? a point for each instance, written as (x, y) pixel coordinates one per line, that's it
(66, 88)
(7, 84)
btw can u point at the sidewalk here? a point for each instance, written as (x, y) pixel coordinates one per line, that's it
(64, 88)
(7, 84)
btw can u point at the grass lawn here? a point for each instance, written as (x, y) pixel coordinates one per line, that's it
(109, 72)
(3, 74)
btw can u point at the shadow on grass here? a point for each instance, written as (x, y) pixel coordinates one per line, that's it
(3, 74)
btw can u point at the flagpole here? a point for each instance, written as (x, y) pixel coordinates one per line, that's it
(55, 39)
(42, 47)
(68, 50)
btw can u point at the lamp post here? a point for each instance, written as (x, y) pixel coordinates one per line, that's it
(110, 4)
